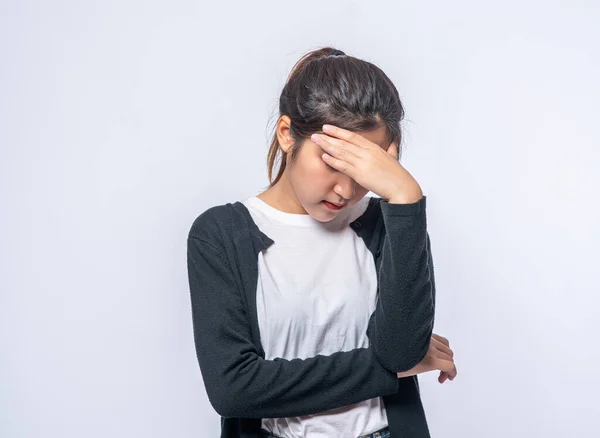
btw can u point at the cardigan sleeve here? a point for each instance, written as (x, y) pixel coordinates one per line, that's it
(239, 382)
(401, 326)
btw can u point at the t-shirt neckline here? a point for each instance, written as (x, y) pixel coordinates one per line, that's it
(288, 218)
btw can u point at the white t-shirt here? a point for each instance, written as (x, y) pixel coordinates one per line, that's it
(316, 290)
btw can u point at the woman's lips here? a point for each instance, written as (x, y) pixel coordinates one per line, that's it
(331, 206)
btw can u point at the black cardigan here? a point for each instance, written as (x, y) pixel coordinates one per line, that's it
(222, 255)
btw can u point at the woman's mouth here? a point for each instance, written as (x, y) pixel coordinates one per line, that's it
(331, 206)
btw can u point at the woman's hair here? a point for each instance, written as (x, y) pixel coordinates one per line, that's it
(328, 86)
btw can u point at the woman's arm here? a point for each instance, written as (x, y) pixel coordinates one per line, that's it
(401, 326)
(240, 383)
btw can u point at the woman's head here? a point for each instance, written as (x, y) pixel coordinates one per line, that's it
(328, 87)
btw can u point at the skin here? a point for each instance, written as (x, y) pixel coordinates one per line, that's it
(310, 180)
(328, 169)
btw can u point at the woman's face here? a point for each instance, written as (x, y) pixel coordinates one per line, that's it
(312, 181)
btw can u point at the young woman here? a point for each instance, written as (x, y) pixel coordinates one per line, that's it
(313, 304)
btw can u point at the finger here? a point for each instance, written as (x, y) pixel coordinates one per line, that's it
(443, 355)
(452, 374)
(340, 165)
(349, 136)
(442, 377)
(441, 339)
(444, 365)
(441, 349)
(393, 150)
(440, 346)
(338, 148)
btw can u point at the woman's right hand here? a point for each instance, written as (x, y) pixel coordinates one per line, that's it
(439, 357)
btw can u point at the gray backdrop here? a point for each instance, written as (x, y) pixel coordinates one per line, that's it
(121, 121)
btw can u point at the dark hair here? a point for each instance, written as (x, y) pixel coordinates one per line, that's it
(328, 86)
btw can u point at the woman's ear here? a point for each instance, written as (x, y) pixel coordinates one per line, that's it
(393, 150)
(284, 134)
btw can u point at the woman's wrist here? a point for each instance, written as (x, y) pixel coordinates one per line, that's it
(406, 197)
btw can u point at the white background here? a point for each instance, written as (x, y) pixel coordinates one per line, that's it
(121, 121)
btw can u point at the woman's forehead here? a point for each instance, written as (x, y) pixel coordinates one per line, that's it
(378, 136)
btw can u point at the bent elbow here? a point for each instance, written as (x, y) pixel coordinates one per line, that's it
(220, 396)
(224, 406)
(235, 399)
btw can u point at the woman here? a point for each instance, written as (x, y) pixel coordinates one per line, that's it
(313, 304)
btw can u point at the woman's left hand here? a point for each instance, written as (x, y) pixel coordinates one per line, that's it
(368, 164)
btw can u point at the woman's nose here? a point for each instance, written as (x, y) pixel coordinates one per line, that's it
(345, 187)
